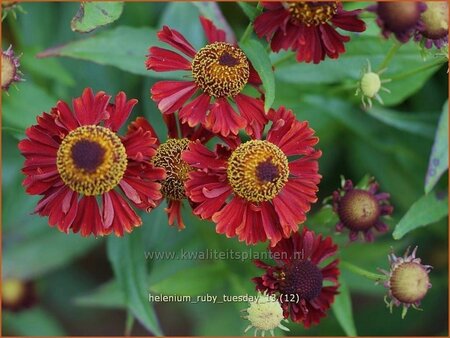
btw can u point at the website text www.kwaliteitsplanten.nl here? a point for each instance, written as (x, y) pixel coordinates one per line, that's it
(214, 254)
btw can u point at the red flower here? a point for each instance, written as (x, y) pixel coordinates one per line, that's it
(219, 71)
(168, 157)
(251, 190)
(309, 28)
(73, 157)
(298, 278)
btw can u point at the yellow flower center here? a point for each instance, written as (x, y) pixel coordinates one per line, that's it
(257, 170)
(312, 13)
(91, 160)
(220, 69)
(168, 156)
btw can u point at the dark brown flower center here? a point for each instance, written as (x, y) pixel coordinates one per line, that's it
(226, 59)
(302, 278)
(168, 156)
(91, 160)
(87, 155)
(220, 69)
(267, 171)
(312, 13)
(358, 209)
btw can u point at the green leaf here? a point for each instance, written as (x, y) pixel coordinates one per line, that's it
(48, 68)
(122, 47)
(438, 162)
(128, 262)
(107, 295)
(427, 210)
(33, 322)
(21, 106)
(257, 54)
(405, 69)
(184, 17)
(249, 10)
(192, 281)
(420, 124)
(342, 309)
(27, 259)
(95, 14)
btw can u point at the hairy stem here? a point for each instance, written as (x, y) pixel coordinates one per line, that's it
(359, 271)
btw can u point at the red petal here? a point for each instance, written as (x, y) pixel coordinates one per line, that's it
(198, 156)
(197, 184)
(118, 215)
(119, 111)
(89, 220)
(164, 60)
(213, 34)
(222, 119)
(172, 95)
(253, 111)
(90, 110)
(194, 113)
(177, 40)
(174, 212)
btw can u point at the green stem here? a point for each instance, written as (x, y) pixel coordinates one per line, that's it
(356, 269)
(390, 55)
(249, 29)
(247, 32)
(401, 76)
(342, 88)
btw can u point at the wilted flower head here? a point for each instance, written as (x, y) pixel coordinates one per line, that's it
(400, 18)
(434, 28)
(265, 314)
(361, 209)
(408, 281)
(10, 68)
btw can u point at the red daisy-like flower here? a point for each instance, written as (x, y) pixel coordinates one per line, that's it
(73, 158)
(298, 279)
(307, 27)
(360, 209)
(219, 72)
(260, 189)
(168, 157)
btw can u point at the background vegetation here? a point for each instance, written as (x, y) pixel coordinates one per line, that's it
(89, 286)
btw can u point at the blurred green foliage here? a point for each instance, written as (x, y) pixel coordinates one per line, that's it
(88, 288)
